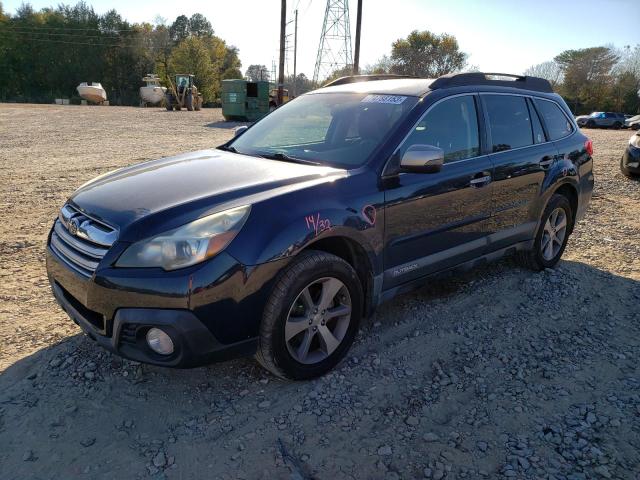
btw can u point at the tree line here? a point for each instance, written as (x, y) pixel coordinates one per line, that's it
(45, 54)
(596, 78)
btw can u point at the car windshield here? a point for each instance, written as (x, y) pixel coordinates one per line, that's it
(596, 114)
(335, 129)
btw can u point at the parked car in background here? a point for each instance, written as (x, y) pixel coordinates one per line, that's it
(279, 241)
(630, 161)
(601, 120)
(632, 122)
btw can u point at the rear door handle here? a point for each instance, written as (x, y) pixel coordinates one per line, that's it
(480, 180)
(547, 160)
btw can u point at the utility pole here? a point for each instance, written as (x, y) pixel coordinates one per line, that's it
(356, 56)
(283, 26)
(295, 53)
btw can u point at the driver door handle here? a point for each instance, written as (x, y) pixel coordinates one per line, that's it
(480, 179)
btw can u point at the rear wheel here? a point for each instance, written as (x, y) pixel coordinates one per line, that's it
(552, 237)
(188, 103)
(617, 126)
(311, 317)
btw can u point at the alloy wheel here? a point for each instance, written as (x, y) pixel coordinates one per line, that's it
(318, 320)
(553, 235)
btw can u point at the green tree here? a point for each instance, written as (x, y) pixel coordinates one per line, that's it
(179, 29)
(426, 54)
(256, 73)
(200, 26)
(192, 56)
(587, 77)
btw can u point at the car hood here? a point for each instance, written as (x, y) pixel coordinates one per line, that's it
(198, 180)
(582, 117)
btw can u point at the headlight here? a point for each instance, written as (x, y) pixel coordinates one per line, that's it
(187, 245)
(635, 141)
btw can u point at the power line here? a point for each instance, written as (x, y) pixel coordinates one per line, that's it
(94, 44)
(73, 28)
(27, 32)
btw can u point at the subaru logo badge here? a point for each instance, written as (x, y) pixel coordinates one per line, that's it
(73, 226)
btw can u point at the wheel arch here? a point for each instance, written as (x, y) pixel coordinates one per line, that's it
(569, 191)
(355, 255)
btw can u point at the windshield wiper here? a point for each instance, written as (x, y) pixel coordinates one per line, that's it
(286, 158)
(228, 149)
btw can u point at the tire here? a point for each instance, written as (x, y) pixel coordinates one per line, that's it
(540, 257)
(316, 273)
(617, 126)
(188, 103)
(591, 124)
(169, 107)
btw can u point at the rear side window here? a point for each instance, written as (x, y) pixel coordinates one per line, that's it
(509, 122)
(558, 125)
(451, 125)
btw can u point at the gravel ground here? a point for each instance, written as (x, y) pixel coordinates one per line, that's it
(498, 373)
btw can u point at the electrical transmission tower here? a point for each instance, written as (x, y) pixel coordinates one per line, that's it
(334, 52)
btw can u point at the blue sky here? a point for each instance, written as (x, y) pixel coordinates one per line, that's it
(499, 35)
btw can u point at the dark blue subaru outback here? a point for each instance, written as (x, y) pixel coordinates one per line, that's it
(277, 243)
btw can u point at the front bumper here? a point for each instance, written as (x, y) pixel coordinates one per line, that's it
(212, 311)
(194, 344)
(631, 159)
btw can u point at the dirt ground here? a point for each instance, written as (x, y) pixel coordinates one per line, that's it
(498, 373)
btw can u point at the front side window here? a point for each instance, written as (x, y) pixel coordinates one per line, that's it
(335, 129)
(451, 125)
(558, 125)
(509, 122)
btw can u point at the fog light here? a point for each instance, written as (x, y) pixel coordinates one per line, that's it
(159, 341)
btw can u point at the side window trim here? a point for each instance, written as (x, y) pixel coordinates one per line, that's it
(533, 111)
(480, 122)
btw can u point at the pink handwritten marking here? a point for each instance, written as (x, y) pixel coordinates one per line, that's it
(316, 224)
(369, 214)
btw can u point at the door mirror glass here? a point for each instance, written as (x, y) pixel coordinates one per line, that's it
(422, 159)
(239, 131)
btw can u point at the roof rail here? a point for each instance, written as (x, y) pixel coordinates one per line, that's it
(364, 78)
(479, 78)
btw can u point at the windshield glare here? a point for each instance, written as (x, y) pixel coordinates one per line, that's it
(337, 129)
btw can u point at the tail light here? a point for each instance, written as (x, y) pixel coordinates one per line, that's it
(588, 146)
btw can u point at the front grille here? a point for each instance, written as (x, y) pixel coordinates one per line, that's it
(80, 240)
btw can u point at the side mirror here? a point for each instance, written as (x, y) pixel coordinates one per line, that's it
(422, 159)
(239, 131)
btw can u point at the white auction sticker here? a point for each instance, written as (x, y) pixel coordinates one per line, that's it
(393, 99)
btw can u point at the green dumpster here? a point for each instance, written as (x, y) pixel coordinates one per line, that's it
(244, 101)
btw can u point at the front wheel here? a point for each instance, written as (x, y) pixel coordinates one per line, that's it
(311, 317)
(552, 236)
(625, 171)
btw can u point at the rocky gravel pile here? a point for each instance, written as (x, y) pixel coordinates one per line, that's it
(499, 373)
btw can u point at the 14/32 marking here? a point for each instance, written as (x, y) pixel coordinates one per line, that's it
(318, 225)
